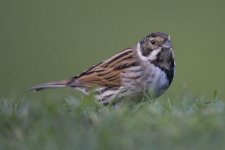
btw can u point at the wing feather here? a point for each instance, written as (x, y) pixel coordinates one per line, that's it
(107, 73)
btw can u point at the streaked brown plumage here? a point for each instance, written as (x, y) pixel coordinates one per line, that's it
(147, 66)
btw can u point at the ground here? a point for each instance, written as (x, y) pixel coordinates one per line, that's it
(182, 122)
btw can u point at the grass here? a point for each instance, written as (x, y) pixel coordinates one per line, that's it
(183, 122)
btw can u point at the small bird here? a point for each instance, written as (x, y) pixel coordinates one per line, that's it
(146, 68)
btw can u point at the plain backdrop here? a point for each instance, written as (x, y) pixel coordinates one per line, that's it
(52, 40)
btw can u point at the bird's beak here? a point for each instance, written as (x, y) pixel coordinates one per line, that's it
(167, 44)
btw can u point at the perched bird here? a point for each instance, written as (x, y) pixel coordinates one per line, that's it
(146, 68)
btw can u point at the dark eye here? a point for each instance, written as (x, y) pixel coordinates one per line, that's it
(152, 42)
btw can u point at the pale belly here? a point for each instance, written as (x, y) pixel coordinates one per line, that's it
(157, 83)
(152, 81)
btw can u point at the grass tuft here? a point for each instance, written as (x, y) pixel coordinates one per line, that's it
(183, 122)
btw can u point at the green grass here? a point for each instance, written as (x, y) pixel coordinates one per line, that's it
(183, 122)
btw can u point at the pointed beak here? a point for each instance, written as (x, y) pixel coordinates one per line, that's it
(167, 44)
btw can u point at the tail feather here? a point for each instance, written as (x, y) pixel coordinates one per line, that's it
(49, 85)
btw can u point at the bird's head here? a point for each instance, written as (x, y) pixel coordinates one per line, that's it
(155, 45)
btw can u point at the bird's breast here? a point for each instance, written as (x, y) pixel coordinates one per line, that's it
(157, 81)
(145, 78)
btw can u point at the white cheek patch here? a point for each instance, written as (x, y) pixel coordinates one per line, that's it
(152, 55)
(140, 54)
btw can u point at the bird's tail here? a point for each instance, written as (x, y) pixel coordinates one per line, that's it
(57, 84)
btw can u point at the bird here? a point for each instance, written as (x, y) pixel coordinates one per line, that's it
(147, 68)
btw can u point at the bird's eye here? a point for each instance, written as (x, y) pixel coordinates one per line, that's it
(152, 42)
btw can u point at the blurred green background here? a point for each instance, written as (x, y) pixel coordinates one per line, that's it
(51, 40)
(43, 40)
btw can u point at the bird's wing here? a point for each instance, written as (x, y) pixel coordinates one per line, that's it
(108, 72)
